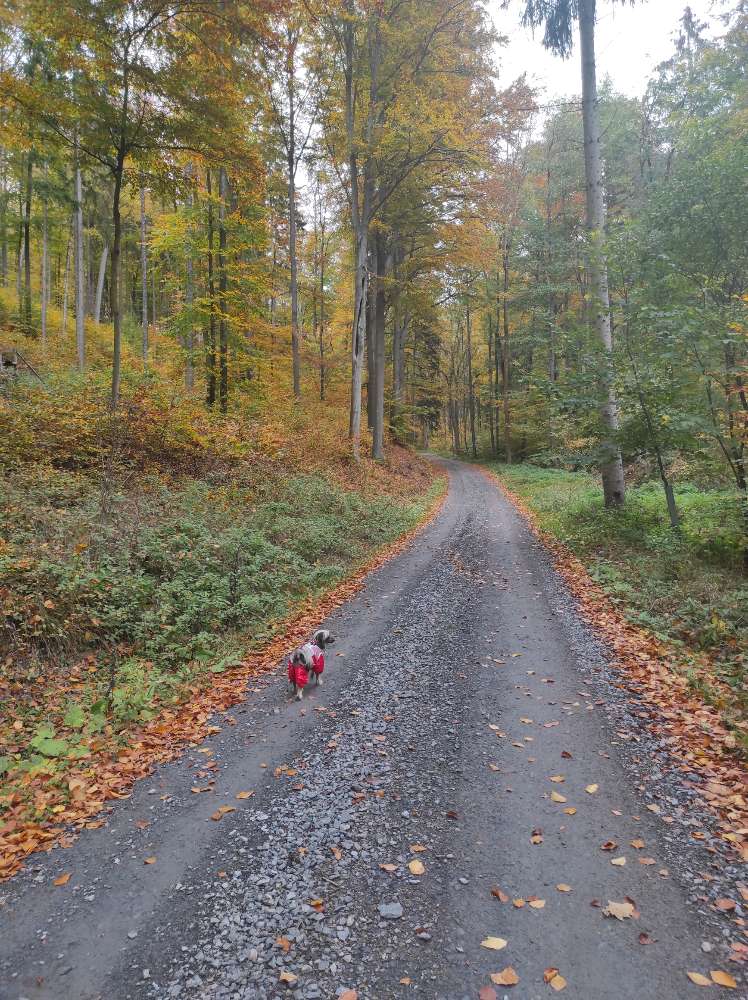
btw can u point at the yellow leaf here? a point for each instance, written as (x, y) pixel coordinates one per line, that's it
(618, 861)
(507, 977)
(555, 797)
(244, 795)
(723, 979)
(571, 811)
(621, 911)
(416, 868)
(563, 887)
(63, 879)
(558, 778)
(494, 943)
(537, 904)
(388, 867)
(418, 848)
(698, 979)
(591, 789)
(558, 983)
(149, 861)
(287, 977)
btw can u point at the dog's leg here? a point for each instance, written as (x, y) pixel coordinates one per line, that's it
(319, 679)
(300, 694)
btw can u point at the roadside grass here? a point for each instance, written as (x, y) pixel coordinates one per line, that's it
(686, 587)
(137, 562)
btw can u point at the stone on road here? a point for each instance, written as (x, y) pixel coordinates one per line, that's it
(467, 796)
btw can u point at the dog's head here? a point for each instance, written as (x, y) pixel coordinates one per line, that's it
(301, 657)
(323, 638)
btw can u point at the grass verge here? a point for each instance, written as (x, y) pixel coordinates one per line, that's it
(684, 588)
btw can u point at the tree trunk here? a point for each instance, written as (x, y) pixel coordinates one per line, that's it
(371, 361)
(506, 355)
(189, 298)
(100, 283)
(27, 243)
(45, 266)
(143, 275)
(114, 303)
(80, 307)
(377, 448)
(65, 289)
(471, 389)
(223, 389)
(210, 353)
(614, 489)
(322, 315)
(291, 160)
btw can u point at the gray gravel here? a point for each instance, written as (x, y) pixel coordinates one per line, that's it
(466, 682)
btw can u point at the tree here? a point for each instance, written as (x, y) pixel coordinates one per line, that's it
(557, 17)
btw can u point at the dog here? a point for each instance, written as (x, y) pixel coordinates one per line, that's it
(299, 665)
(315, 651)
(308, 658)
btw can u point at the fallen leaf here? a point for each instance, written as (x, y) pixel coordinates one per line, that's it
(349, 995)
(621, 911)
(618, 861)
(558, 778)
(558, 983)
(142, 824)
(221, 811)
(418, 848)
(388, 867)
(244, 795)
(647, 861)
(537, 836)
(537, 904)
(725, 905)
(317, 904)
(494, 943)
(406, 981)
(698, 979)
(638, 844)
(723, 979)
(591, 789)
(563, 887)
(571, 811)
(149, 861)
(63, 879)
(555, 797)
(549, 974)
(609, 845)
(499, 894)
(518, 903)
(487, 993)
(507, 977)
(283, 943)
(416, 868)
(287, 977)
(646, 939)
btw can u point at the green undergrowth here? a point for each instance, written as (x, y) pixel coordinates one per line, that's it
(118, 597)
(685, 587)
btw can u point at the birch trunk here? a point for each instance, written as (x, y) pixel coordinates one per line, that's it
(614, 488)
(377, 448)
(223, 387)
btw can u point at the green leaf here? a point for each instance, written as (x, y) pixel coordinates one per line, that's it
(74, 717)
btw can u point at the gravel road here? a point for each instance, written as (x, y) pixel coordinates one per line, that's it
(470, 723)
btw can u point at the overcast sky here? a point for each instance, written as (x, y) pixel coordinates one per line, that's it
(631, 41)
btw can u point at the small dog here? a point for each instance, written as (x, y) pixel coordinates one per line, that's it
(309, 657)
(299, 664)
(315, 650)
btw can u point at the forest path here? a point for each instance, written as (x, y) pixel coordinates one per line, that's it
(466, 683)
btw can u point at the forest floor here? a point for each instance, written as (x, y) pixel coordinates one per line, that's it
(479, 796)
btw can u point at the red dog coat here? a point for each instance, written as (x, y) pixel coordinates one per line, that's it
(318, 660)
(298, 674)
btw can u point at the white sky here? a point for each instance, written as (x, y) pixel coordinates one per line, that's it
(630, 42)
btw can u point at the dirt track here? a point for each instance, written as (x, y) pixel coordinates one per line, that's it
(466, 682)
